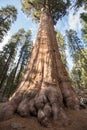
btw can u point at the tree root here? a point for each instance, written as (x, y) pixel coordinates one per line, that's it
(45, 105)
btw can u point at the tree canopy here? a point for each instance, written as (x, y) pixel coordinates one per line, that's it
(84, 29)
(57, 8)
(80, 3)
(7, 16)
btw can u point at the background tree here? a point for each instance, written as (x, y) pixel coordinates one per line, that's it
(80, 3)
(62, 47)
(78, 54)
(84, 29)
(45, 88)
(14, 70)
(21, 64)
(8, 55)
(25, 55)
(7, 16)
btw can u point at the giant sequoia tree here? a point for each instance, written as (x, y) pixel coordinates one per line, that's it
(46, 88)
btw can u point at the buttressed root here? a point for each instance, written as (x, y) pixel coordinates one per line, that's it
(45, 106)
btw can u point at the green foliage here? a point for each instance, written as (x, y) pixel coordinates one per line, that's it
(79, 55)
(84, 22)
(57, 8)
(62, 47)
(80, 3)
(79, 71)
(7, 16)
(74, 42)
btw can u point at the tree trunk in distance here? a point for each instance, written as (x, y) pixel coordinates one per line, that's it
(45, 89)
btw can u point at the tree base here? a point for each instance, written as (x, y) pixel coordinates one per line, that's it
(46, 105)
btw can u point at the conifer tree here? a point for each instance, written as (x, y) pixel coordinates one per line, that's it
(8, 54)
(7, 16)
(45, 88)
(78, 54)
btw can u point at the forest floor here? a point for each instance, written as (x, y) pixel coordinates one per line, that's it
(78, 122)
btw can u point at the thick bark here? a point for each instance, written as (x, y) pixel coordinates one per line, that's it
(45, 89)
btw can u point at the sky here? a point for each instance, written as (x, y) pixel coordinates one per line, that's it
(70, 22)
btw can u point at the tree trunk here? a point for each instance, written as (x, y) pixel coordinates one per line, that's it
(4, 71)
(45, 89)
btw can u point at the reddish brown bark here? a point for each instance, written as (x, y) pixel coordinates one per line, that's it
(45, 88)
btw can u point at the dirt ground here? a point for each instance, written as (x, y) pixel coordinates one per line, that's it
(78, 122)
